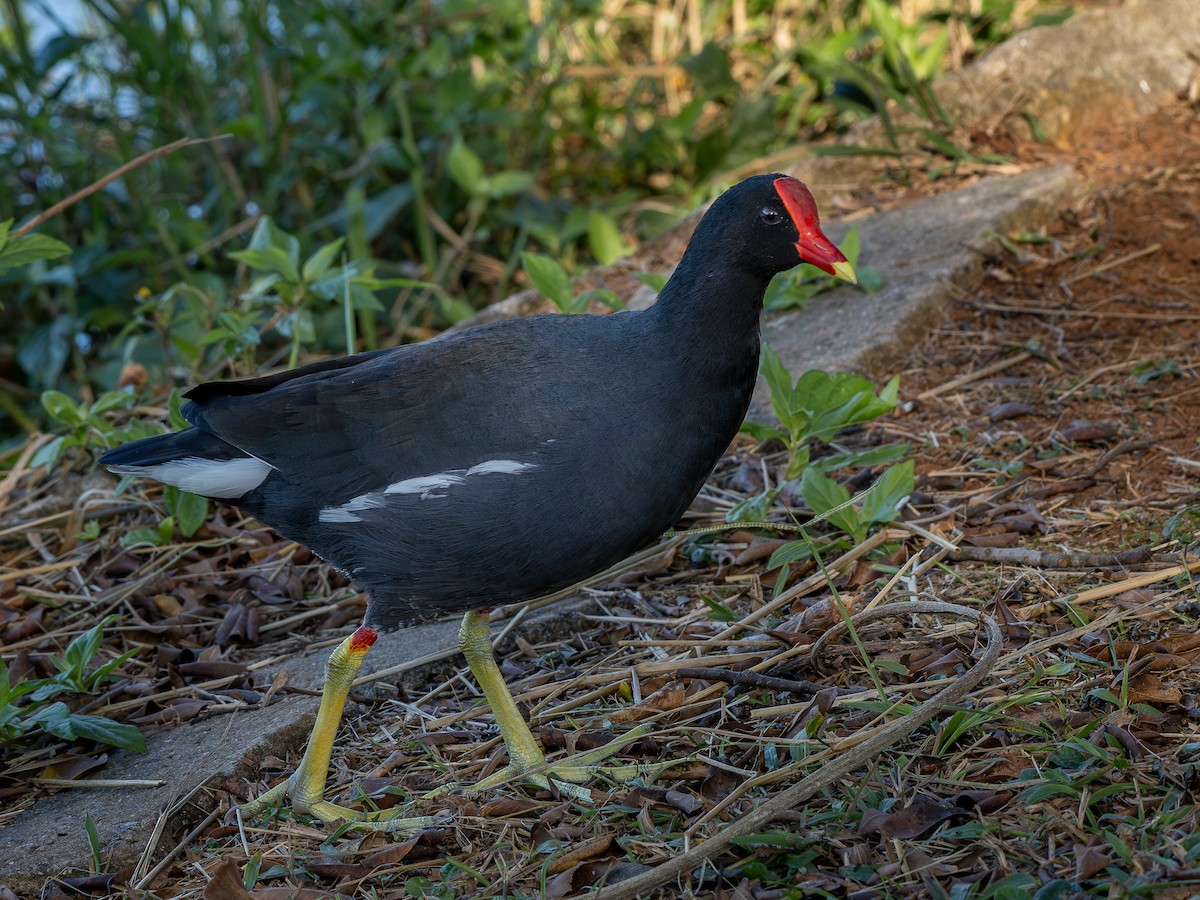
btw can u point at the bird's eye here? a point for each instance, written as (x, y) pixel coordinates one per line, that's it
(770, 216)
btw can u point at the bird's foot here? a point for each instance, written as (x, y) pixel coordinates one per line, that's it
(568, 776)
(305, 802)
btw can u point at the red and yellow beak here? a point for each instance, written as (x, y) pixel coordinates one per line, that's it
(814, 247)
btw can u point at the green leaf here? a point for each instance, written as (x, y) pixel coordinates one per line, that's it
(828, 499)
(93, 839)
(318, 264)
(466, 168)
(752, 509)
(851, 246)
(105, 731)
(888, 494)
(779, 380)
(27, 248)
(79, 653)
(189, 510)
(652, 280)
(268, 259)
(863, 459)
(718, 610)
(605, 238)
(761, 431)
(550, 278)
(111, 400)
(174, 413)
(505, 184)
(792, 551)
(62, 408)
(869, 279)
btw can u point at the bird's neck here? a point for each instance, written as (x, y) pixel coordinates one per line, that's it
(710, 308)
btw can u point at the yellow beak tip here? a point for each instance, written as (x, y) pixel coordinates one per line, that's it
(845, 271)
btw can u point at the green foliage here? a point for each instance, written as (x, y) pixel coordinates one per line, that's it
(28, 711)
(25, 249)
(817, 406)
(294, 293)
(430, 145)
(553, 283)
(795, 287)
(878, 505)
(88, 425)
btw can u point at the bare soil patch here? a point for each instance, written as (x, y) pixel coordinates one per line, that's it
(1054, 420)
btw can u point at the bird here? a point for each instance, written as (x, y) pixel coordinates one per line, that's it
(499, 463)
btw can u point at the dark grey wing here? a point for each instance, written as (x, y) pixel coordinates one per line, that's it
(361, 423)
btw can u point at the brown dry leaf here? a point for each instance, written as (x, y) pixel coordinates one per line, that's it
(584, 850)
(1147, 688)
(1011, 410)
(914, 820)
(718, 785)
(984, 801)
(684, 801)
(226, 882)
(1080, 430)
(1090, 860)
(75, 766)
(760, 548)
(670, 696)
(590, 874)
(507, 806)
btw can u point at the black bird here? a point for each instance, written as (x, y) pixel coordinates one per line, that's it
(499, 463)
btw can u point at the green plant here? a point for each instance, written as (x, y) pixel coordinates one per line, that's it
(878, 505)
(28, 711)
(816, 407)
(89, 425)
(553, 283)
(295, 292)
(23, 249)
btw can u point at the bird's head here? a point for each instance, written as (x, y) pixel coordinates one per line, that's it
(778, 226)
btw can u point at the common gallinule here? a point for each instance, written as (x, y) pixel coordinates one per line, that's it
(499, 463)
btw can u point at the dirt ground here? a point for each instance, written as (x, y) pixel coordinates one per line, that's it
(1054, 420)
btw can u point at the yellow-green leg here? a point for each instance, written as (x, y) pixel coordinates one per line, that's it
(305, 787)
(526, 760)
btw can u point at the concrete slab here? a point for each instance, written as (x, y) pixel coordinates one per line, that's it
(924, 253)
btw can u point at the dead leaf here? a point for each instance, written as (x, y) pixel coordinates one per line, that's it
(1011, 410)
(226, 882)
(1080, 430)
(75, 766)
(588, 849)
(684, 801)
(671, 696)
(914, 820)
(1090, 860)
(1147, 688)
(507, 806)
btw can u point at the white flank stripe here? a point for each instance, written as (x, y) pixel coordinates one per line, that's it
(426, 486)
(226, 479)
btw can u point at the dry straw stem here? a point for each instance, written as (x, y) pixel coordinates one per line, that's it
(842, 764)
(111, 177)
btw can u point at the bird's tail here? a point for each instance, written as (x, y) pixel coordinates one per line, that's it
(192, 460)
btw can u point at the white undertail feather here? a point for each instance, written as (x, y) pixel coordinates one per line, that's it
(226, 479)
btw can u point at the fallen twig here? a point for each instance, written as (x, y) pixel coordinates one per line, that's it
(1051, 559)
(111, 177)
(754, 679)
